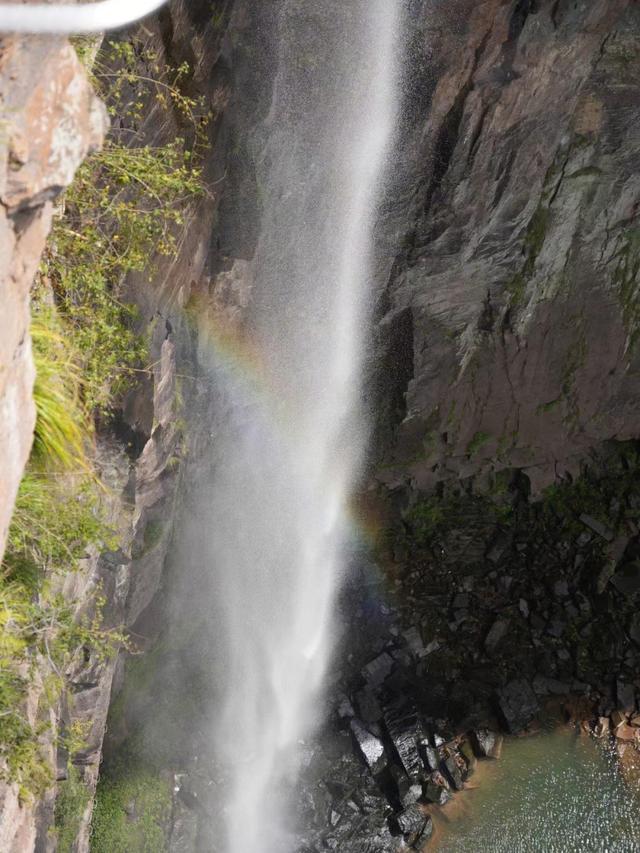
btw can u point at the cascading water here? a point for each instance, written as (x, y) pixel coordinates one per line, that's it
(294, 436)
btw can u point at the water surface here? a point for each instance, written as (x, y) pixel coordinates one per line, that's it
(557, 792)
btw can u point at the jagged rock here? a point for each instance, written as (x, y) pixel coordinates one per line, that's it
(411, 823)
(518, 705)
(436, 794)
(496, 635)
(453, 772)
(618, 718)
(515, 333)
(412, 795)
(404, 728)
(429, 754)
(628, 733)
(414, 642)
(486, 743)
(371, 747)
(377, 670)
(345, 709)
(597, 527)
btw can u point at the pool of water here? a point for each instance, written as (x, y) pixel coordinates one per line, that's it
(555, 792)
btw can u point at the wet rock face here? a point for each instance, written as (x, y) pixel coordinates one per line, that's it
(50, 120)
(516, 283)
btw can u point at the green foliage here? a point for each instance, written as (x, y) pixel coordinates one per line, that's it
(40, 627)
(55, 519)
(122, 210)
(132, 809)
(62, 425)
(71, 802)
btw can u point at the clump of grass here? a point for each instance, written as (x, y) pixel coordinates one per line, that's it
(63, 427)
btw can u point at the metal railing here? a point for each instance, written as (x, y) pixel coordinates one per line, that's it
(73, 18)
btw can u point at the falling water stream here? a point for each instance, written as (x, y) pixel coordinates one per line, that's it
(292, 445)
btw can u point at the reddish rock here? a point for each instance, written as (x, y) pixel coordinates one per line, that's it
(625, 732)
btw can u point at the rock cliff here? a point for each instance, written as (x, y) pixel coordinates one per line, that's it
(510, 312)
(51, 120)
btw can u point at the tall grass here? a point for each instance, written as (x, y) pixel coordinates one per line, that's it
(63, 427)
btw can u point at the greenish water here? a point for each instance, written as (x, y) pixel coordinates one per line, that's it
(555, 792)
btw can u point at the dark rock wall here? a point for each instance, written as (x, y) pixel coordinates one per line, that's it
(510, 316)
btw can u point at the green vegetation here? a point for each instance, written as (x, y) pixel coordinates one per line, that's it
(122, 210)
(71, 803)
(131, 811)
(63, 426)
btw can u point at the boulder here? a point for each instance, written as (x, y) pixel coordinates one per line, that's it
(486, 743)
(434, 793)
(414, 642)
(597, 526)
(370, 746)
(497, 633)
(453, 772)
(625, 732)
(412, 795)
(518, 705)
(414, 826)
(405, 730)
(377, 670)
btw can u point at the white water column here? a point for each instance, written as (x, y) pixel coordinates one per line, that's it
(293, 446)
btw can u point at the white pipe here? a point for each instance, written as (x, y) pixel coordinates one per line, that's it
(74, 18)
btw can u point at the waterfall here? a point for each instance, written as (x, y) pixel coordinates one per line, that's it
(295, 433)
